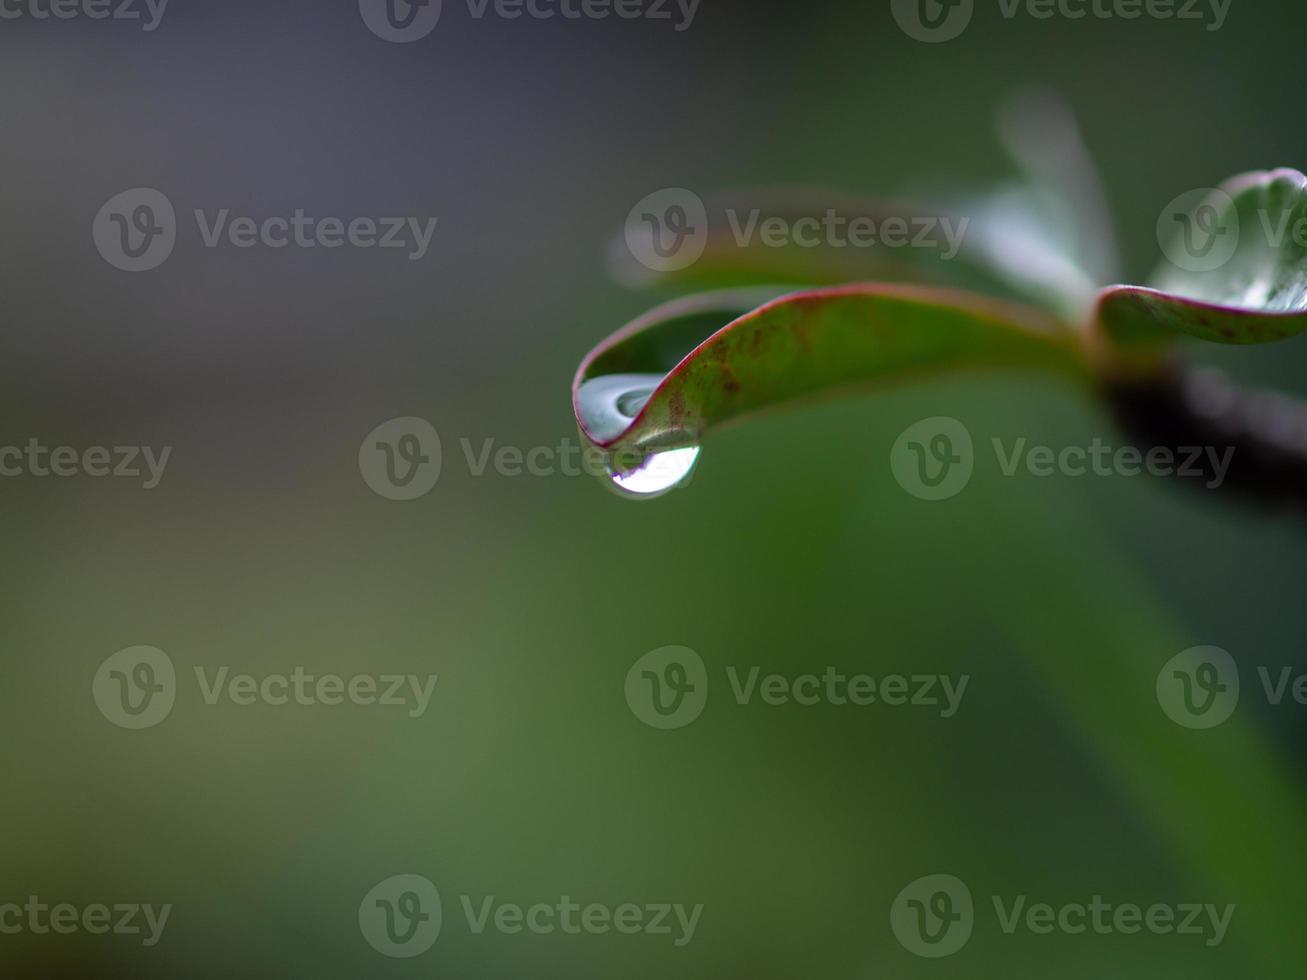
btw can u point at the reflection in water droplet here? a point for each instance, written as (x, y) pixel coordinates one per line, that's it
(607, 405)
(630, 403)
(658, 473)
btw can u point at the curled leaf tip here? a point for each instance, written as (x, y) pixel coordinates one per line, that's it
(661, 383)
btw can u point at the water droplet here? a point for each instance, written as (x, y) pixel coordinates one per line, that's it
(607, 406)
(658, 473)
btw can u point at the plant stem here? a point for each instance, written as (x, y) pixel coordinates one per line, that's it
(1184, 407)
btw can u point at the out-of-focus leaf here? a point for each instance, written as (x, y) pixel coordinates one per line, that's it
(1044, 238)
(800, 236)
(1235, 271)
(1047, 234)
(1040, 131)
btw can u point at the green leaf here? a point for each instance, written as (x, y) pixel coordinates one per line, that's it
(660, 384)
(1235, 270)
(1043, 238)
(826, 238)
(1048, 233)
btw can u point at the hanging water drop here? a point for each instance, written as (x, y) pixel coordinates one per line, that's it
(608, 405)
(658, 473)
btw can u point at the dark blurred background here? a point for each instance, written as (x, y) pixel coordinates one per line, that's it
(528, 777)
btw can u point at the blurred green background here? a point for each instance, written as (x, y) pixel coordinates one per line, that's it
(793, 549)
